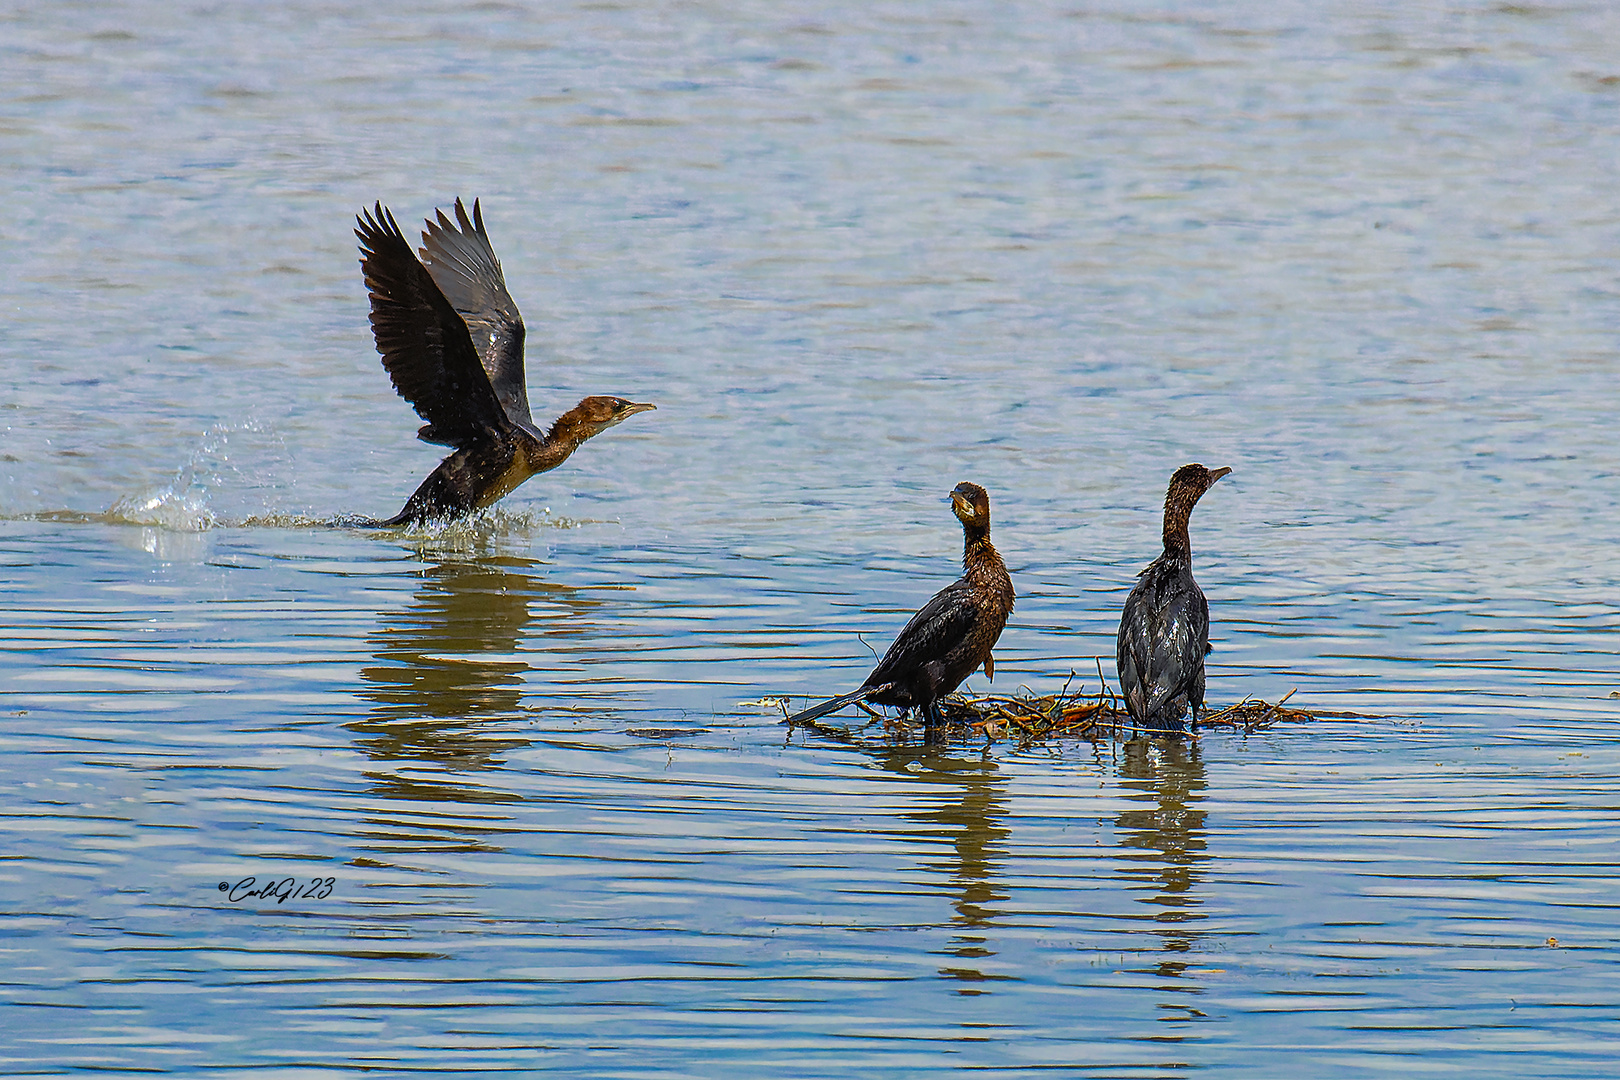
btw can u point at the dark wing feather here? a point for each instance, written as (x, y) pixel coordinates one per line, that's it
(940, 626)
(1131, 655)
(1195, 695)
(1163, 633)
(423, 342)
(464, 266)
(1176, 656)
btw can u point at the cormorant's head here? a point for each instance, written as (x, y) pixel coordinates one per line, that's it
(1187, 486)
(1194, 480)
(590, 418)
(599, 413)
(971, 505)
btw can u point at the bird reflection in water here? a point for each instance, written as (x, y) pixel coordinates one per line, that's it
(967, 812)
(447, 687)
(1163, 842)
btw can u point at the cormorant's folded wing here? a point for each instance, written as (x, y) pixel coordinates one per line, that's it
(464, 266)
(939, 627)
(424, 343)
(1162, 638)
(1177, 651)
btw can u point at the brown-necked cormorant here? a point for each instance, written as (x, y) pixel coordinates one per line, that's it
(953, 633)
(452, 341)
(1164, 632)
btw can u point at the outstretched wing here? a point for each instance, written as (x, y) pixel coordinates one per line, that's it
(424, 343)
(464, 266)
(940, 626)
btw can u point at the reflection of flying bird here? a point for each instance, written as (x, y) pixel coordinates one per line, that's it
(452, 341)
(1164, 632)
(953, 633)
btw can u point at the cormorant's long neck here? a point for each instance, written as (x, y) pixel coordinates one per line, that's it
(1178, 507)
(566, 435)
(976, 547)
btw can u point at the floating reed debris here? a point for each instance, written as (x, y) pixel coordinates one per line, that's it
(1026, 719)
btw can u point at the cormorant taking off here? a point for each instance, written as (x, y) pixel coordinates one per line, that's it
(1164, 633)
(953, 633)
(452, 340)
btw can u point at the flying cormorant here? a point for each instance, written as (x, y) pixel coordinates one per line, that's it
(452, 341)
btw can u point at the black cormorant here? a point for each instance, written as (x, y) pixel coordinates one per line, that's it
(1164, 632)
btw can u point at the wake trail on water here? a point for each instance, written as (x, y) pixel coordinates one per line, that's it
(175, 515)
(247, 466)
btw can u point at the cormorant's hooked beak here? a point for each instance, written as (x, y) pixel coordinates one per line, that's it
(635, 407)
(1216, 474)
(962, 504)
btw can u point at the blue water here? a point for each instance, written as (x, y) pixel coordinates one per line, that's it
(531, 770)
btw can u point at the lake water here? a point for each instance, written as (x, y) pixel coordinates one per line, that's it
(1368, 255)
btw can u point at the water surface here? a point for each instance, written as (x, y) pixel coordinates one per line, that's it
(1365, 256)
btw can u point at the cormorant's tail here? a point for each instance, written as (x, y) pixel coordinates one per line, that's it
(816, 712)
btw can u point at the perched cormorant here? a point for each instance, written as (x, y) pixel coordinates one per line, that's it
(452, 341)
(1164, 632)
(953, 633)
